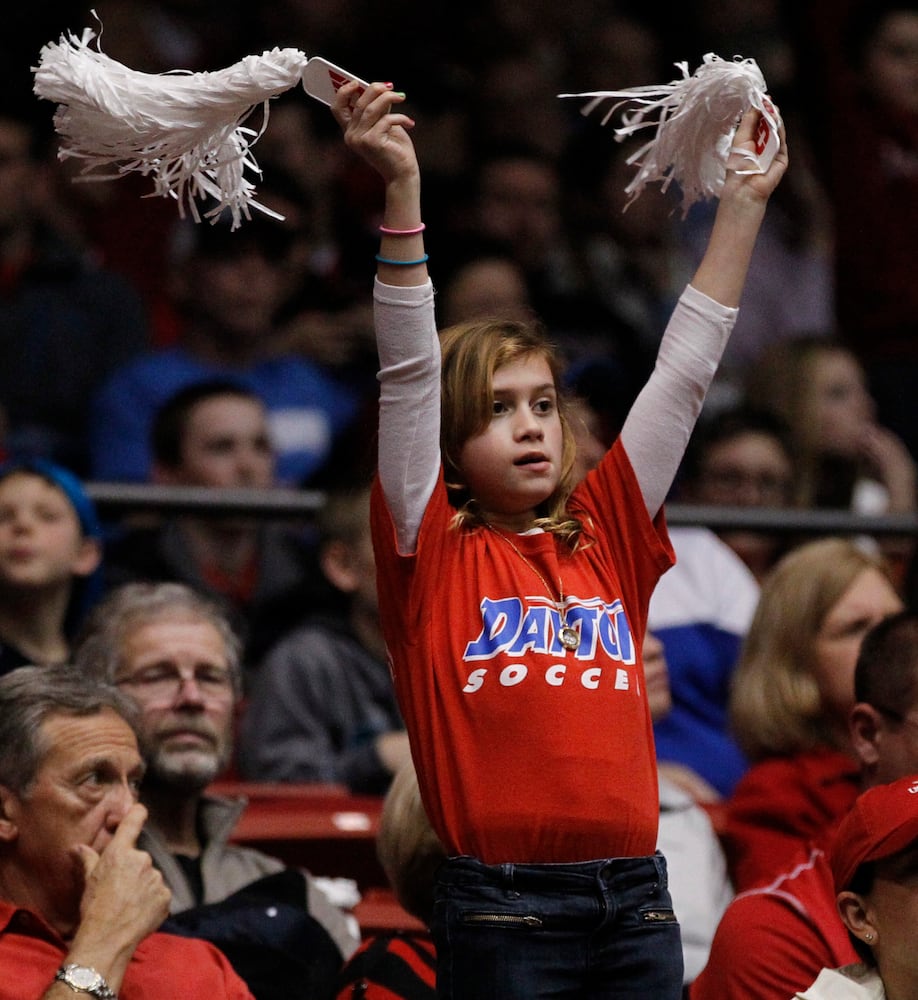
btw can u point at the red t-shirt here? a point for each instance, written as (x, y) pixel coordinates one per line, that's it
(163, 966)
(772, 942)
(527, 752)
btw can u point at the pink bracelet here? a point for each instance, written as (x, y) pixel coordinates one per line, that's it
(386, 231)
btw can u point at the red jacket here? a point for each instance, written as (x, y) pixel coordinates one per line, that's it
(773, 941)
(782, 805)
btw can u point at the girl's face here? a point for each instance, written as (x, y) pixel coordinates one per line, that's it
(841, 409)
(41, 541)
(868, 600)
(514, 464)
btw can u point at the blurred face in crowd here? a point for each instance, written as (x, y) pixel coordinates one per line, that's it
(750, 469)
(519, 204)
(868, 600)
(41, 540)
(226, 444)
(236, 293)
(585, 425)
(841, 409)
(176, 670)
(490, 287)
(891, 61)
(16, 172)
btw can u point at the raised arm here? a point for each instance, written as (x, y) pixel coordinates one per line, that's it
(657, 429)
(406, 335)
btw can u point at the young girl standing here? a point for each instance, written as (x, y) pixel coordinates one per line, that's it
(514, 605)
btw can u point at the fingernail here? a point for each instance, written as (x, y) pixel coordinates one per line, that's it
(389, 84)
(399, 93)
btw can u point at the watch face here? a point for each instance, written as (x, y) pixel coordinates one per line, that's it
(84, 979)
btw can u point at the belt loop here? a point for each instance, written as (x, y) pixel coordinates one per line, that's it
(506, 871)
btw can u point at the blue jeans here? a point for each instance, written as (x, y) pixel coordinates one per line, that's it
(596, 930)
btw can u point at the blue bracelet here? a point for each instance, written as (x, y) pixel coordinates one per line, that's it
(402, 263)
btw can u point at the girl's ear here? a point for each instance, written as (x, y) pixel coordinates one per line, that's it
(88, 557)
(9, 829)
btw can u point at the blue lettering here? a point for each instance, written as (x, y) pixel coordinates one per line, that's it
(510, 627)
(533, 633)
(500, 626)
(615, 634)
(586, 618)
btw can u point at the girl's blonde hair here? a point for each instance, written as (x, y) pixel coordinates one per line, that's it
(471, 354)
(776, 705)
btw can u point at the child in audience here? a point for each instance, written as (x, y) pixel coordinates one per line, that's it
(322, 706)
(50, 552)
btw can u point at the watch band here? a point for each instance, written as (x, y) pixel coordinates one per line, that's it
(85, 979)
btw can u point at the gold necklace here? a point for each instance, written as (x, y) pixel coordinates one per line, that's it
(568, 635)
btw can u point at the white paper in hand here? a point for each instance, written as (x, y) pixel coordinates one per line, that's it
(322, 79)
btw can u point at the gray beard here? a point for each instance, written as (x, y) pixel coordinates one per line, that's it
(190, 771)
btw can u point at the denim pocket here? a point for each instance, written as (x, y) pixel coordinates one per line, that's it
(501, 919)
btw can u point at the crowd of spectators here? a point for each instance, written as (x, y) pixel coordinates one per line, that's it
(511, 171)
(137, 346)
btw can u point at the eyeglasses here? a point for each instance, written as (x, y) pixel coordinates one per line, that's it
(164, 683)
(730, 482)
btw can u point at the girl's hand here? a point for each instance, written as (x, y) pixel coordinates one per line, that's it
(376, 132)
(757, 186)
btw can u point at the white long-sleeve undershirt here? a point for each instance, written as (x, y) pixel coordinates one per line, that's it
(655, 432)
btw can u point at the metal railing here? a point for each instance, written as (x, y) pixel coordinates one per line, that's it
(118, 500)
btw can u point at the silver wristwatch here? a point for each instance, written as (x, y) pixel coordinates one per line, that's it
(85, 979)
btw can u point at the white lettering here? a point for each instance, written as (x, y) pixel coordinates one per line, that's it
(555, 675)
(590, 678)
(476, 679)
(513, 675)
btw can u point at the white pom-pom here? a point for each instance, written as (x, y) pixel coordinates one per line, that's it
(695, 120)
(183, 129)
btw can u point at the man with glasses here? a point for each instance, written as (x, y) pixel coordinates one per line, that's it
(173, 651)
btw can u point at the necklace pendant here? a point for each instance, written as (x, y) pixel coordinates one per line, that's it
(569, 636)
